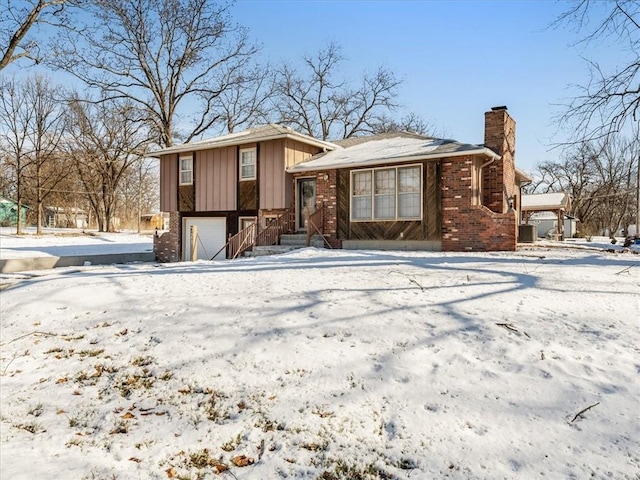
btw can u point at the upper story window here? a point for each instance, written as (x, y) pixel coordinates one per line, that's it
(248, 164)
(186, 170)
(386, 194)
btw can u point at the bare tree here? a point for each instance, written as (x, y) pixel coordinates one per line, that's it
(611, 99)
(18, 19)
(245, 102)
(108, 138)
(33, 121)
(409, 123)
(173, 59)
(44, 134)
(139, 191)
(600, 176)
(15, 117)
(315, 100)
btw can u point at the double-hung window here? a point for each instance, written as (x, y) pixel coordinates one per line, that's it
(386, 194)
(186, 170)
(248, 164)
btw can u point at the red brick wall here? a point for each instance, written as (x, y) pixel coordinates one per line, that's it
(166, 246)
(327, 195)
(467, 227)
(499, 176)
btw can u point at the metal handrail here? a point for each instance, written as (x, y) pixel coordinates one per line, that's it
(249, 237)
(315, 224)
(279, 225)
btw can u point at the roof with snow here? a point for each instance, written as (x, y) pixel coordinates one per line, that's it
(389, 148)
(550, 216)
(546, 201)
(270, 131)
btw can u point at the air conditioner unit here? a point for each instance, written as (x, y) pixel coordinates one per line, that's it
(527, 233)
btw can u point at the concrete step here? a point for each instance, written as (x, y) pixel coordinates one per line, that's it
(270, 250)
(300, 240)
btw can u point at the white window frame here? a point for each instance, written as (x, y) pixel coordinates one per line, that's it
(254, 150)
(373, 194)
(185, 170)
(242, 220)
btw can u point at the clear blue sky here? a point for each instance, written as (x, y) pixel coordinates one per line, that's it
(457, 58)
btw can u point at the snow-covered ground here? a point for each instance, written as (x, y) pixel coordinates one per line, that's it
(326, 365)
(68, 242)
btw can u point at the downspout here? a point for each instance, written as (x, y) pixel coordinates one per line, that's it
(481, 193)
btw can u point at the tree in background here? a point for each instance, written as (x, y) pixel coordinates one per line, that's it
(138, 191)
(107, 139)
(32, 120)
(601, 177)
(47, 166)
(172, 59)
(314, 99)
(18, 19)
(15, 117)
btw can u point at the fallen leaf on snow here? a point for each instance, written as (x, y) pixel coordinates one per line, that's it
(171, 472)
(242, 461)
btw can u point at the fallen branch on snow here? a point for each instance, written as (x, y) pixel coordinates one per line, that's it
(46, 334)
(583, 411)
(511, 328)
(626, 270)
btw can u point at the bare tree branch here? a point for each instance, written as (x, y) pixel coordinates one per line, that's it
(17, 21)
(314, 100)
(610, 100)
(164, 57)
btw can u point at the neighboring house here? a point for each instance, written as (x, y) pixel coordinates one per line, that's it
(9, 212)
(557, 203)
(154, 221)
(65, 217)
(546, 224)
(395, 190)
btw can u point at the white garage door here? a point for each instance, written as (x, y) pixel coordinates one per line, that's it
(212, 237)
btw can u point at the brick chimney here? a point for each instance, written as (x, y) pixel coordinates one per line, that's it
(499, 177)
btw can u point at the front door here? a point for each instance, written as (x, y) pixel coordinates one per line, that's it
(306, 200)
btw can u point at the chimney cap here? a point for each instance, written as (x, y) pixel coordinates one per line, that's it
(497, 109)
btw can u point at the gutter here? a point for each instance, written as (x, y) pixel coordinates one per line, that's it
(188, 147)
(305, 167)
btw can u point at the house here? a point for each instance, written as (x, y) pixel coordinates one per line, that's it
(65, 217)
(393, 191)
(9, 212)
(154, 221)
(556, 203)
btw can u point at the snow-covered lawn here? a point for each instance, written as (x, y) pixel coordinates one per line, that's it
(66, 242)
(326, 365)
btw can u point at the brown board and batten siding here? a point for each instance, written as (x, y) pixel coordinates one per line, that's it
(426, 229)
(248, 189)
(216, 177)
(294, 153)
(298, 152)
(273, 185)
(186, 198)
(432, 203)
(169, 183)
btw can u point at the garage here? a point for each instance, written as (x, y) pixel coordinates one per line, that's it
(211, 237)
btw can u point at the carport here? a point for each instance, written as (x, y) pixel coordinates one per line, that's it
(558, 203)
